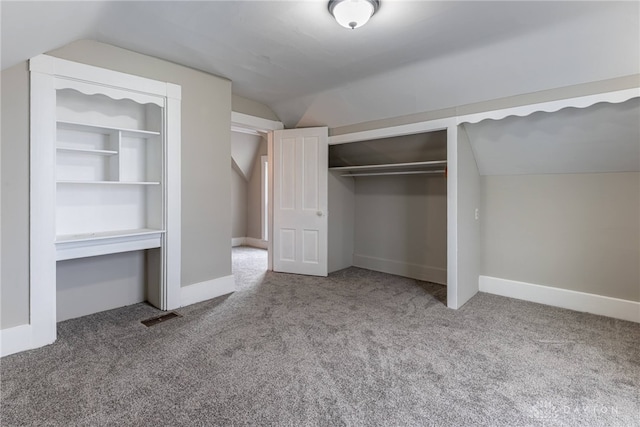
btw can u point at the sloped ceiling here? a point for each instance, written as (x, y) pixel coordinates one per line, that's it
(413, 56)
(244, 148)
(602, 138)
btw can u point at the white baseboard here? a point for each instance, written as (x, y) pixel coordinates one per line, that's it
(256, 243)
(564, 298)
(249, 241)
(413, 271)
(207, 290)
(16, 339)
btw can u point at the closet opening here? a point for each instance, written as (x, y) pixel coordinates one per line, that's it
(388, 207)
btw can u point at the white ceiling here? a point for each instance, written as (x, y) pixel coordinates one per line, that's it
(413, 56)
(602, 138)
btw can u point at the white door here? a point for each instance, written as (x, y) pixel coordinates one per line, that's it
(300, 160)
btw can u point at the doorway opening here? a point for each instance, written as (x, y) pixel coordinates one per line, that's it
(251, 195)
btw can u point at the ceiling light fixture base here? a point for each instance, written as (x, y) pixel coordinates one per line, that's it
(353, 14)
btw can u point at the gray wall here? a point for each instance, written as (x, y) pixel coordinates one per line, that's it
(206, 178)
(579, 232)
(243, 105)
(341, 221)
(120, 284)
(254, 194)
(401, 222)
(238, 204)
(14, 286)
(467, 226)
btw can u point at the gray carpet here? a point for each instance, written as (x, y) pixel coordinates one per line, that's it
(358, 348)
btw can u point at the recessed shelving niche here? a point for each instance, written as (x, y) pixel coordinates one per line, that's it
(104, 179)
(109, 174)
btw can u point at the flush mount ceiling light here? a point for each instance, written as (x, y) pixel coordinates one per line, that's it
(353, 13)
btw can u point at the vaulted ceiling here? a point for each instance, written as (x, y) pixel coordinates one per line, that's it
(413, 56)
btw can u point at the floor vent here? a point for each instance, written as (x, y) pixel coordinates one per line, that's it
(160, 319)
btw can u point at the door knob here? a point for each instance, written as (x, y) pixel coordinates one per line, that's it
(319, 213)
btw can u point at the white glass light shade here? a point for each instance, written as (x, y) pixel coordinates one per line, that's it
(353, 13)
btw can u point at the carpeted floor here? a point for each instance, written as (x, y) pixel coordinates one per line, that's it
(358, 348)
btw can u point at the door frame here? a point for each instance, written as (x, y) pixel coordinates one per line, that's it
(241, 122)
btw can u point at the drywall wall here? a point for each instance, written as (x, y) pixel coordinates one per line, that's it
(340, 221)
(206, 178)
(244, 147)
(576, 231)
(601, 138)
(238, 204)
(14, 286)
(401, 225)
(254, 194)
(468, 224)
(120, 284)
(243, 105)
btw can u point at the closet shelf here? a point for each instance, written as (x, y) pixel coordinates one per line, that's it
(385, 173)
(72, 246)
(87, 151)
(68, 238)
(433, 166)
(111, 182)
(87, 127)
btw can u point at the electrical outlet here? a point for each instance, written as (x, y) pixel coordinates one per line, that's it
(477, 214)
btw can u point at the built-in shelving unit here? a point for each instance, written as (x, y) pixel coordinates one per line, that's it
(105, 179)
(109, 175)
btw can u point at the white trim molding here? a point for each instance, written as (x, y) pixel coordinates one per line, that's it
(401, 130)
(249, 241)
(414, 271)
(615, 97)
(563, 298)
(241, 122)
(16, 339)
(256, 243)
(207, 290)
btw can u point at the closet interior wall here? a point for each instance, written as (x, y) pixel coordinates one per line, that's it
(390, 219)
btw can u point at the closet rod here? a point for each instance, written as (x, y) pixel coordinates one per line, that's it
(390, 165)
(353, 175)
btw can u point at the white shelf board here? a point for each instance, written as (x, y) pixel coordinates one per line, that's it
(74, 246)
(111, 182)
(86, 151)
(87, 127)
(400, 166)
